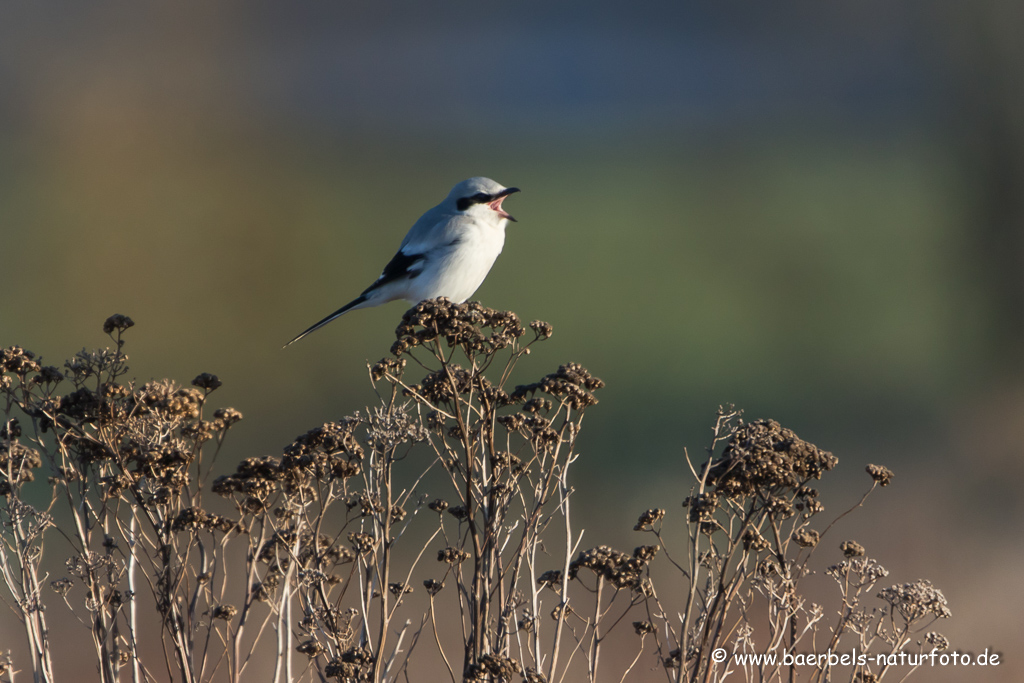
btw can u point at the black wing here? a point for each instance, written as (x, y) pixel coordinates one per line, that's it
(400, 266)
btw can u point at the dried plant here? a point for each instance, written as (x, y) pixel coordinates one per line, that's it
(751, 514)
(437, 519)
(129, 463)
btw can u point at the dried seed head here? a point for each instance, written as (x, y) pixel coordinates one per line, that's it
(551, 579)
(762, 456)
(647, 519)
(851, 549)
(769, 566)
(882, 475)
(572, 384)
(561, 611)
(916, 600)
(351, 665)
(646, 553)
(702, 506)
(493, 667)
(397, 513)
(264, 590)
(225, 612)
(513, 422)
(368, 504)
(362, 543)
(857, 571)
(207, 381)
(224, 418)
(318, 450)
(753, 540)
(435, 421)
(18, 361)
(117, 322)
(534, 676)
(542, 329)
(17, 463)
(452, 556)
(806, 538)
(191, 519)
(642, 628)
(503, 460)
(461, 325)
(811, 507)
(49, 374)
(779, 507)
(387, 366)
(937, 640)
(618, 568)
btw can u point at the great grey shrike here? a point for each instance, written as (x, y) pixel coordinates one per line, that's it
(447, 252)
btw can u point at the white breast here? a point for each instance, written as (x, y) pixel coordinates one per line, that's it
(459, 270)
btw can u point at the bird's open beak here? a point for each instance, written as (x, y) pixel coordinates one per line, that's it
(499, 198)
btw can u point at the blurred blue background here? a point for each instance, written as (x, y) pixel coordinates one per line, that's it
(815, 212)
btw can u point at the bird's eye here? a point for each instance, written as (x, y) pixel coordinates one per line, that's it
(479, 198)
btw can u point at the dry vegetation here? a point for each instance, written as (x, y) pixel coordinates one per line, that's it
(331, 562)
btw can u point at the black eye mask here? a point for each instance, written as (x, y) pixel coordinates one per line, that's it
(478, 198)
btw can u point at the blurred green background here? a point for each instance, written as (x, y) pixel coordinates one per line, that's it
(813, 212)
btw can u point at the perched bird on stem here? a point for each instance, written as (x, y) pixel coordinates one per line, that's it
(447, 252)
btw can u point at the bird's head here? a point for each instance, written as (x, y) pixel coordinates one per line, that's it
(481, 197)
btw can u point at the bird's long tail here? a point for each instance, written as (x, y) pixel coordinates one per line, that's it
(361, 299)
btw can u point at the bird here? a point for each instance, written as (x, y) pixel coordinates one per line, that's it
(447, 252)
